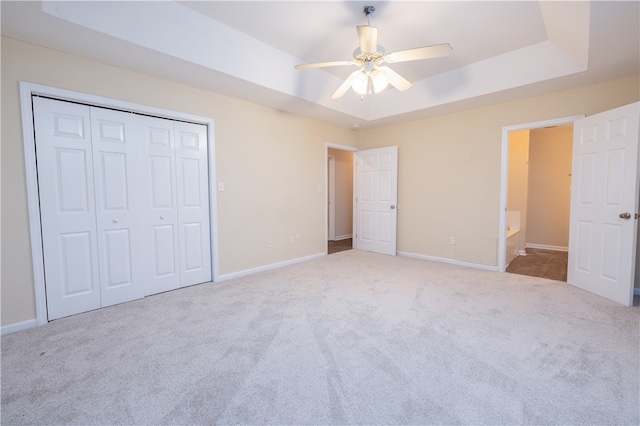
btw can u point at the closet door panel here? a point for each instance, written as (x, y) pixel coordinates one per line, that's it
(193, 203)
(75, 259)
(67, 206)
(116, 142)
(160, 206)
(164, 249)
(194, 258)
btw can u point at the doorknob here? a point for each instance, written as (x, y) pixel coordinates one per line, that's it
(393, 207)
(115, 221)
(161, 217)
(625, 216)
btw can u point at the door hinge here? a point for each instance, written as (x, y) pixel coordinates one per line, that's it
(635, 216)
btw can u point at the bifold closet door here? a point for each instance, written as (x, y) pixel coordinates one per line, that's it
(124, 203)
(160, 206)
(116, 138)
(177, 204)
(67, 204)
(91, 232)
(193, 203)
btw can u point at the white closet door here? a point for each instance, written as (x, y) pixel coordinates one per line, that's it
(65, 178)
(116, 141)
(193, 203)
(160, 208)
(124, 204)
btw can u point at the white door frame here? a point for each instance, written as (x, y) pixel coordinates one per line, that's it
(328, 145)
(29, 89)
(504, 177)
(331, 192)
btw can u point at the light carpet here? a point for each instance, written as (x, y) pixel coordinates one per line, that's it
(351, 338)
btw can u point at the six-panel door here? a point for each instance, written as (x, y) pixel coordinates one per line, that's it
(67, 202)
(193, 199)
(376, 199)
(160, 206)
(115, 138)
(604, 203)
(124, 212)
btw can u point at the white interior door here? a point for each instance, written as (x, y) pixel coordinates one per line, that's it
(604, 203)
(376, 199)
(124, 205)
(193, 203)
(116, 140)
(67, 204)
(160, 211)
(177, 204)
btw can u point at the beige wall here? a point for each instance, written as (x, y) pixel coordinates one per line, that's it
(344, 192)
(518, 182)
(549, 186)
(449, 167)
(271, 168)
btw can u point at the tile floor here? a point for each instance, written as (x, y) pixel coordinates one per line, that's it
(342, 245)
(548, 264)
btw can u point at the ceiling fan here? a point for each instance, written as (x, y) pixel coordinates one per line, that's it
(373, 77)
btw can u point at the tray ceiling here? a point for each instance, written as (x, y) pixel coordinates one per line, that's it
(245, 49)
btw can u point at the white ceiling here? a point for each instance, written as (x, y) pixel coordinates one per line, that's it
(247, 49)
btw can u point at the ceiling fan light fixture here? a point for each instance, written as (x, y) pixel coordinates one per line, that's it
(366, 83)
(360, 83)
(379, 80)
(373, 76)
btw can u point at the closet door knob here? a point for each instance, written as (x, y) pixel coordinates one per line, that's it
(115, 221)
(625, 216)
(161, 217)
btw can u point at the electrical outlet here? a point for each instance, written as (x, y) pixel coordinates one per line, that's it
(269, 243)
(453, 240)
(290, 240)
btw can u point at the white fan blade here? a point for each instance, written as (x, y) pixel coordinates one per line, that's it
(427, 52)
(368, 37)
(395, 79)
(324, 64)
(345, 86)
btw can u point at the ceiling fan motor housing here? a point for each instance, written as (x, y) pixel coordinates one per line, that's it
(360, 56)
(369, 56)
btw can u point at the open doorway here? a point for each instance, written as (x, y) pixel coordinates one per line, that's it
(602, 251)
(538, 201)
(536, 198)
(340, 164)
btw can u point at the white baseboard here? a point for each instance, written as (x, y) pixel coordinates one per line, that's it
(343, 237)
(522, 252)
(246, 272)
(19, 326)
(451, 261)
(546, 247)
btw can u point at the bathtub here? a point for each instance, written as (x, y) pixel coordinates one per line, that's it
(513, 236)
(513, 244)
